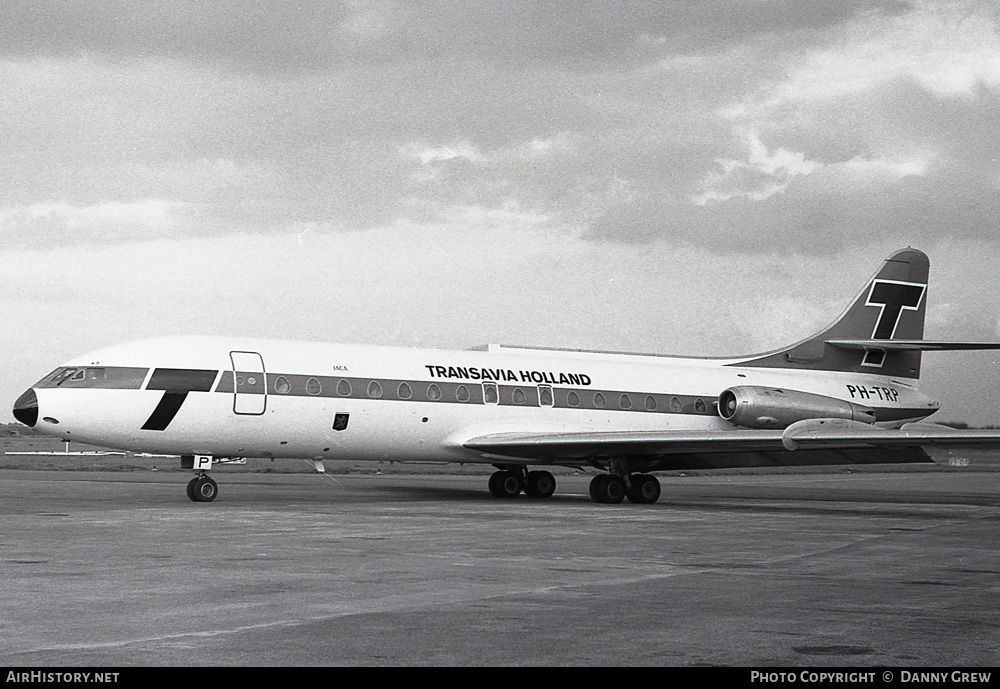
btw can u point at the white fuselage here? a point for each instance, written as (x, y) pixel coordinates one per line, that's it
(232, 397)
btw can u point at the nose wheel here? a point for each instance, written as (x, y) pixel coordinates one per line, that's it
(202, 489)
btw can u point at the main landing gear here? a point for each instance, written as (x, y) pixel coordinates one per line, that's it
(611, 488)
(510, 481)
(642, 489)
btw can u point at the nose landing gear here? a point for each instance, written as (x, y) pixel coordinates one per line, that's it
(202, 488)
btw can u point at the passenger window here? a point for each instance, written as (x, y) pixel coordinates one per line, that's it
(545, 396)
(699, 406)
(518, 396)
(433, 392)
(573, 399)
(599, 401)
(313, 386)
(675, 405)
(650, 403)
(462, 393)
(344, 388)
(404, 391)
(625, 402)
(282, 386)
(490, 395)
(374, 389)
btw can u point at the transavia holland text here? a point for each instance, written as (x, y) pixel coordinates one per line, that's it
(507, 375)
(814, 676)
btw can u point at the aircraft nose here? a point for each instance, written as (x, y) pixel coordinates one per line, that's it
(26, 408)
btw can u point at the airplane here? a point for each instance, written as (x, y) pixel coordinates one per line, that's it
(848, 394)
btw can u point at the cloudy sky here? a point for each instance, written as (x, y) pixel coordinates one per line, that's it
(712, 177)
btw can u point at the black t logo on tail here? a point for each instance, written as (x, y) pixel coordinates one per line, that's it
(893, 297)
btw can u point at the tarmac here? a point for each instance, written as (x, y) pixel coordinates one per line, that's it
(844, 568)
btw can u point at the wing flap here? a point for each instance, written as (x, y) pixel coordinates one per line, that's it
(843, 434)
(911, 345)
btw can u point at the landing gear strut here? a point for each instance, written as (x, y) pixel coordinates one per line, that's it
(508, 482)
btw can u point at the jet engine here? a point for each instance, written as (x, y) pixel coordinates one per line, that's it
(759, 407)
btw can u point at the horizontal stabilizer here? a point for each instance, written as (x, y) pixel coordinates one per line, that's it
(911, 345)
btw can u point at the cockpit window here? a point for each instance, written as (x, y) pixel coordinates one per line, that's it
(116, 377)
(62, 375)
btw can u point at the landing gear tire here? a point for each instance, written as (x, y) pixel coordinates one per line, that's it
(593, 487)
(607, 488)
(645, 489)
(505, 484)
(540, 484)
(202, 489)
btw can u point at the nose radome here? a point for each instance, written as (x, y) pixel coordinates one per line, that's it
(26, 408)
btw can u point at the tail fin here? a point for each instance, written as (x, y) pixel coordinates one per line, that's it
(891, 306)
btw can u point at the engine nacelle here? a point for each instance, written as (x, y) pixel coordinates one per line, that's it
(759, 407)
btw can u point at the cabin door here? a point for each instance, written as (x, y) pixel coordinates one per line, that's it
(249, 382)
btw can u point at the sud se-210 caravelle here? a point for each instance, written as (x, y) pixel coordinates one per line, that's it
(848, 394)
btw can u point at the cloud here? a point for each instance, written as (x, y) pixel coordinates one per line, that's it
(763, 173)
(759, 176)
(429, 154)
(948, 50)
(462, 150)
(65, 223)
(916, 165)
(310, 35)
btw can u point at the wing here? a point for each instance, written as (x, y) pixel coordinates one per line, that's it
(805, 443)
(612, 444)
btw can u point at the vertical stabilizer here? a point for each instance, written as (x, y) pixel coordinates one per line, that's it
(891, 306)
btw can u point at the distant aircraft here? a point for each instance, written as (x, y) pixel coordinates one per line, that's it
(847, 395)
